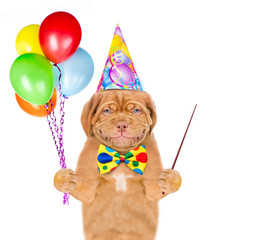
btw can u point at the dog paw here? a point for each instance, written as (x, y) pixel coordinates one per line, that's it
(169, 181)
(65, 180)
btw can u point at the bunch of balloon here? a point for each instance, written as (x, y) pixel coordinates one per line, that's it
(50, 60)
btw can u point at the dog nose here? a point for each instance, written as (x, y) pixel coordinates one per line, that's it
(121, 125)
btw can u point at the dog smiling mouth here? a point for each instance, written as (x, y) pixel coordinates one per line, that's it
(121, 137)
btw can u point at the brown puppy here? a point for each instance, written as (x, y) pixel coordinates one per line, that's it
(121, 204)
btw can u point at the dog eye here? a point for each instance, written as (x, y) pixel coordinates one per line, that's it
(137, 110)
(107, 111)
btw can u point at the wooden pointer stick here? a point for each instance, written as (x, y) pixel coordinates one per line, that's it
(183, 140)
(184, 137)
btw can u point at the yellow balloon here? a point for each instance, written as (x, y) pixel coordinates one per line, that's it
(27, 40)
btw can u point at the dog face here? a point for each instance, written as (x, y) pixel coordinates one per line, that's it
(120, 119)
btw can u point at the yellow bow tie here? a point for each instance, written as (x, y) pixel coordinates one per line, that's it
(108, 159)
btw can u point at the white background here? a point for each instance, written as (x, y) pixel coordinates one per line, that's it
(217, 54)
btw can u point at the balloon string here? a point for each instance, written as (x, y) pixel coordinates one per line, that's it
(58, 130)
(54, 121)
(50, 122)
(62, 113)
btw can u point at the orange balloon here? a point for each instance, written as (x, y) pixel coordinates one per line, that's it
(36, 110)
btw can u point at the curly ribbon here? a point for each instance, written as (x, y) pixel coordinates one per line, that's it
(51, 119)
(57, 130)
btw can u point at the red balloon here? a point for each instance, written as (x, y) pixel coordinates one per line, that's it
(60, 35)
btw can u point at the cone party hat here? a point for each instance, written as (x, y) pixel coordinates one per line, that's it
(119, 72)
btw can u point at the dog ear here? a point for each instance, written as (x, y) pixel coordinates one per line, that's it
(153, 113)
(88, 113)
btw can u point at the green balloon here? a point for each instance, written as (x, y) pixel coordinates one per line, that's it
(32, 77)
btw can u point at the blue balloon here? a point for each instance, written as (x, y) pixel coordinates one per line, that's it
(76, 73)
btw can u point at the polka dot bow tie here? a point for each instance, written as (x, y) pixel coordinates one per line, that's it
(108, 159)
